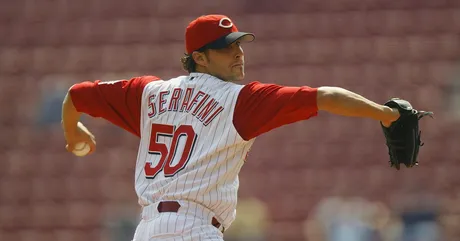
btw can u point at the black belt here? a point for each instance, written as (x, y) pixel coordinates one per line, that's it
(173, 206)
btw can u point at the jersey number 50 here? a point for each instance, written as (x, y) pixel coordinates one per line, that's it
(166, 153)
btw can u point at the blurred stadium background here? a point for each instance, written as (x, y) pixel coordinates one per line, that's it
(325, 179)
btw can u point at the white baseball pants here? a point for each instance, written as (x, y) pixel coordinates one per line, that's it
(191, 223)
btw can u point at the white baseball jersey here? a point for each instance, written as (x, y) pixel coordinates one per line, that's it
(190, 149)
(195, 131)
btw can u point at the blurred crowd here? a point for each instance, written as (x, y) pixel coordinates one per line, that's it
(325, 179)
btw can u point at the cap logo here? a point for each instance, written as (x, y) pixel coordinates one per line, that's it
(228, 23)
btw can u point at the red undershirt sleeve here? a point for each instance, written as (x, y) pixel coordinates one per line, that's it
(117, 101)
(264, 107)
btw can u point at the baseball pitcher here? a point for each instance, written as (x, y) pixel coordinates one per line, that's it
(196, 130)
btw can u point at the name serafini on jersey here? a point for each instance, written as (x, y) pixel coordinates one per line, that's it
(200, 104)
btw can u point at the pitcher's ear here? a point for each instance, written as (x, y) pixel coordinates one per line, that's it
(200, 58)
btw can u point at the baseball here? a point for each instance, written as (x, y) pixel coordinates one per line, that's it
(81, 149)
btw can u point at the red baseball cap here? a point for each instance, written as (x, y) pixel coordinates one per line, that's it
(214, 32)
